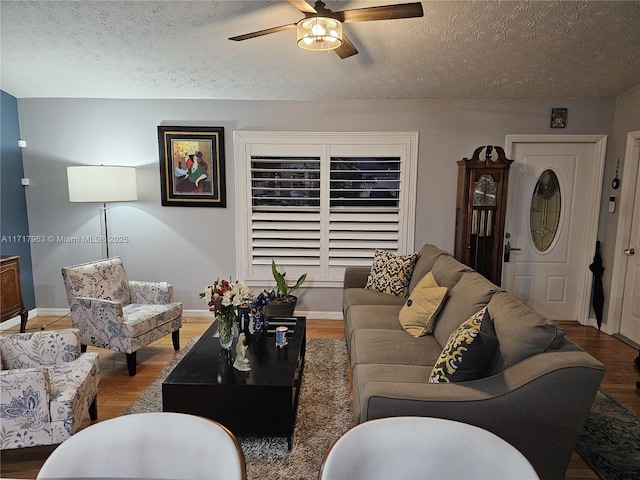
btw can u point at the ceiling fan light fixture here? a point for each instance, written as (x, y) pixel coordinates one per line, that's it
(319, 33)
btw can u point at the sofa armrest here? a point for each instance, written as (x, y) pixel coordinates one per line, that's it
(538, 405)
(151, 292)
(98, 320)
(355, 277)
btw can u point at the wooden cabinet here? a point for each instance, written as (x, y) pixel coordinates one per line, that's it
(11, 290)
(480, 211)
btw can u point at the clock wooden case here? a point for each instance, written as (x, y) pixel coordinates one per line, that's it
(480, 211)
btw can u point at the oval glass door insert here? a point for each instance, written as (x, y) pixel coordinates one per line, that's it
(544, 214)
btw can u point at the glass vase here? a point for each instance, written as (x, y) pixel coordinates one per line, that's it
(226, 327)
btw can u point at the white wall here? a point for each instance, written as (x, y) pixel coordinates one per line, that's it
(627, 119)
(191, 246)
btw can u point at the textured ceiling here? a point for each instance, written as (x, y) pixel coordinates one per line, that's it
(180, 49)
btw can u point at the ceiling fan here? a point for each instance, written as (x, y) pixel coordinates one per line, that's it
(321, 28)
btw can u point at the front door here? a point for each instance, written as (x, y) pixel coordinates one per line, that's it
(630, 320)
(552, 219)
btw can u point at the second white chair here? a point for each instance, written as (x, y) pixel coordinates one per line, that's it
(149, 445)
(423, 448)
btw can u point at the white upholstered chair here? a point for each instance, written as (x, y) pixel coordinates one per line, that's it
(155, 446)
(115, 313)
(46, 387)
(423, 448)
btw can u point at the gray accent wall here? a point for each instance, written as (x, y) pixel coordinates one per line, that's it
(190, 247)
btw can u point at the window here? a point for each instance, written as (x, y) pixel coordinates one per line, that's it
(319, 202)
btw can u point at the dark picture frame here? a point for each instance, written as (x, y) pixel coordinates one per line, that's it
(559, 117)
(192, 172)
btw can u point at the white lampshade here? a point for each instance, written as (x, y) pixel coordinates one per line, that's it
(319, 33)
(102, 183)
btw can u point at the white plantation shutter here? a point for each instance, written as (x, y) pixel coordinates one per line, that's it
(285, 210)
(319, 202)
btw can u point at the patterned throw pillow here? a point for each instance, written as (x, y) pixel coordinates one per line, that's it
(391, 273)
(468, 351)
(421, 309)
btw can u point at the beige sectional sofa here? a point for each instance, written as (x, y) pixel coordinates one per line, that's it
(536, 392)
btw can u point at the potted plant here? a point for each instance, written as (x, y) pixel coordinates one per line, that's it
(284, 303)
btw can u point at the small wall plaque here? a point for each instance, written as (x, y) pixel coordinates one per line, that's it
(559, 117)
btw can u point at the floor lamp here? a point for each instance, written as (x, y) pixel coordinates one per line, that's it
(102, 184)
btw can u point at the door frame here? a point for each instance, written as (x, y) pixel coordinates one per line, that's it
(630, 172)
(600, 142)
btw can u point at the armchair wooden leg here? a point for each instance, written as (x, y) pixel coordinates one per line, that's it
(131, 363)
(93, 408)
(175, 336)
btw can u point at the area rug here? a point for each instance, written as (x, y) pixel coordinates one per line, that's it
(610, 440)
(324, 414)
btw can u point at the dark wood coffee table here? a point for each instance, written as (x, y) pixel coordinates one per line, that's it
(261, 402)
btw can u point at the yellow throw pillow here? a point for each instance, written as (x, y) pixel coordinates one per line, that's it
(419, 313)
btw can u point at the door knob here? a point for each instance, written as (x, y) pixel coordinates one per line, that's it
(630, 251)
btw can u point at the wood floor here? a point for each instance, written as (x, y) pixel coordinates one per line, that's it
(118, 390)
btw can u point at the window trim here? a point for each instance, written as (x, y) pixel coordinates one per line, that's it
(404, 144)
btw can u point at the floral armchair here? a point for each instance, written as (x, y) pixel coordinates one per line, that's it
(114, 313)
(47, 386)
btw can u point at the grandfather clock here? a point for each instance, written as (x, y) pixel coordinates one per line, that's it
(480, 211)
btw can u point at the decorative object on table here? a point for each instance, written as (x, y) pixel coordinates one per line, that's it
(224, 298)
(281, 336)
(103, 184)
(192, 166)
(559, 117)
(283, 303)
(242, 362)
(244, 319)
(258, 312)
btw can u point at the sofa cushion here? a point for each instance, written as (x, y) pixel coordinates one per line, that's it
(521, 332)
(468, 296)
(142, 318)
(426, 259)
(447, 271)
(391, 273)
(392, 347)
(364, 296)
(371, 316)
(468, 351)
(419, 312)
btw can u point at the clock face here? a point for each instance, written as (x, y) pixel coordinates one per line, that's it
(484, 191)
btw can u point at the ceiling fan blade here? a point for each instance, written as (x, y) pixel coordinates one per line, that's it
(260, 33)
(384, 12)
(301, 5)
(346, 49)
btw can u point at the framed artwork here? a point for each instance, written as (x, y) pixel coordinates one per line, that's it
(192, 166)
(559, 117)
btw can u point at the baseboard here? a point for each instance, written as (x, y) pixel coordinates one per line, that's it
(15, 321)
